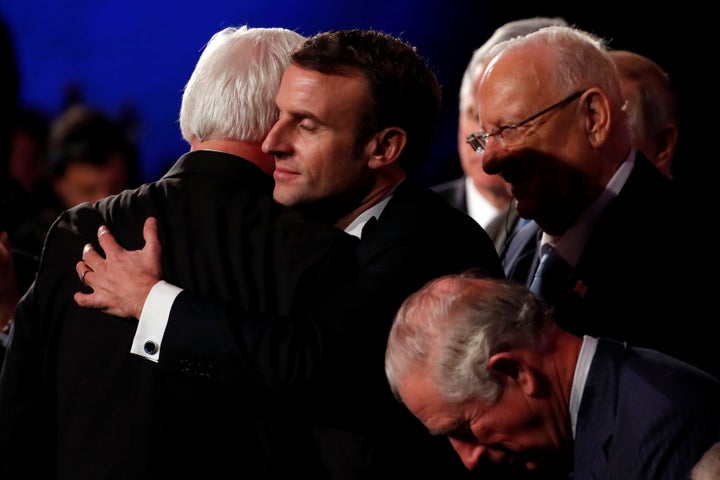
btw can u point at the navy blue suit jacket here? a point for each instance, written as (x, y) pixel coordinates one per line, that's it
(643, 416)
(642, 275)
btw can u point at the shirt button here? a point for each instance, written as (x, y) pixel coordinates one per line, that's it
(150, 347)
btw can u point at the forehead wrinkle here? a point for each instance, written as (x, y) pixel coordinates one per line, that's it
(514, 86)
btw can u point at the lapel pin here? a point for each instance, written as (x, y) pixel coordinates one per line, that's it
(580, 288)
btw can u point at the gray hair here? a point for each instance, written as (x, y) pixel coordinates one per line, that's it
(449, 329)
(504, 32)
(581, 59)
(231, 93)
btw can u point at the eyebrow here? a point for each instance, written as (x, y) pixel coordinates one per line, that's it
(453, 429)
(301, 114)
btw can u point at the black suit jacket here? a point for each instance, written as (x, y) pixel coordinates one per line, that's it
(641, 277)
(328, 366)
(644, 415)
(499, 229)
(74, 403)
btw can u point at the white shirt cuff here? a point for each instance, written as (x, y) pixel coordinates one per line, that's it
(153, 320)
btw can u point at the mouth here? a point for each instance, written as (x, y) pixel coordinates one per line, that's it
(280, 174)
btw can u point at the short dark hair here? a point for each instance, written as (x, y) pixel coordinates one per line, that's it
(86, 135)
(404, 89)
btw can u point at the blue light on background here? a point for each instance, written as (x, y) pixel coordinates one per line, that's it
(135, 56)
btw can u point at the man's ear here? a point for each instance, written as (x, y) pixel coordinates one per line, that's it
(598, 118)
(515, 369)
(385, 147)
(665, 142)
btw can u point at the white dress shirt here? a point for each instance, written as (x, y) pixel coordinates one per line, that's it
(156, 309)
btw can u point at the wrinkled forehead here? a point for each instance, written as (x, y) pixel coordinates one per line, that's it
(515, 83)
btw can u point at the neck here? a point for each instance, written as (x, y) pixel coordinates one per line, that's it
(384, 186)
(564, 350)
(251, 151)
(341, 211)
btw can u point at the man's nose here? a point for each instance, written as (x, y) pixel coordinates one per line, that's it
(271, 144)
(470, 453)
(492, 156)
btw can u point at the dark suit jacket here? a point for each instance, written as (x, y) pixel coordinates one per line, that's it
(639, 278)
(74, 403)
(331, 362)
(644, 415)
(25, 267)
(506, 222)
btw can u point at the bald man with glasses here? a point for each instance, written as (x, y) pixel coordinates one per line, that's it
(553, 125)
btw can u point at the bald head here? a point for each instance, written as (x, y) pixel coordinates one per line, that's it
(652, 107)
(552, 103)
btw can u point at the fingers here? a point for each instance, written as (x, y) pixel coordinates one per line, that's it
(107, 241)
(90, 258)
(86, 300)
(82, 269)
(150, 234)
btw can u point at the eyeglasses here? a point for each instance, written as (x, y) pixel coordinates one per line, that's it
(509, 135)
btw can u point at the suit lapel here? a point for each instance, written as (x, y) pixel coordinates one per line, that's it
(597, 414)
(518, 257)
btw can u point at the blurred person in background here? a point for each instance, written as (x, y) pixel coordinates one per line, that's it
(74, 402)
(604, 245)
(89, 156)
(29, 163)
(652, 107)
(486, 198)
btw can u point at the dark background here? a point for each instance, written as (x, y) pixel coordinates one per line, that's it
(132, 57)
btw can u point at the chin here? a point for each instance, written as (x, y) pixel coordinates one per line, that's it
(524, 210)
(283, 198)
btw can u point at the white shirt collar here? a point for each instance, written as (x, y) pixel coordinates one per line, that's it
(478, 207)
(571, 245)
(587, 352)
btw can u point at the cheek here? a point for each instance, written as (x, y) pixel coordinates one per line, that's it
(467, 125)
(472, 163)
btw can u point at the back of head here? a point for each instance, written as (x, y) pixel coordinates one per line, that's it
(29, 155)
(652, 103)
(86, 135)
(405, 91)
(450, 328)
(231, 93)
(504, 32)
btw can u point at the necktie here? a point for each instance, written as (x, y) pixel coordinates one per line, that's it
(552, 274)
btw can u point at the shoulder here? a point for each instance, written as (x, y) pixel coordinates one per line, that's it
(425, 223)
(667, 380)
(449, 186)
(424, 209)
